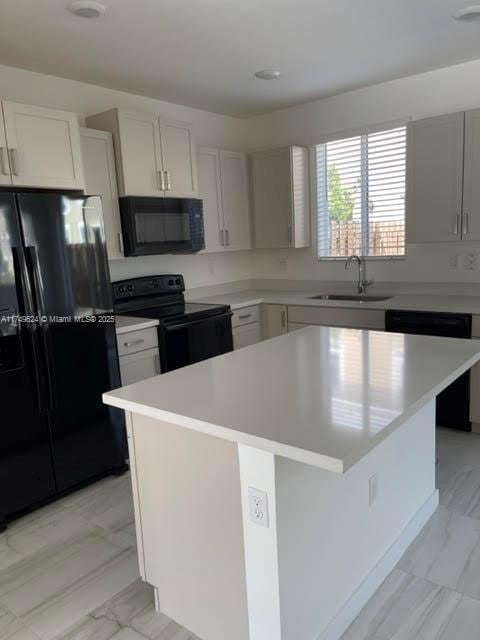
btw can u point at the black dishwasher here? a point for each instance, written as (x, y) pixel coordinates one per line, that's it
(453, 404)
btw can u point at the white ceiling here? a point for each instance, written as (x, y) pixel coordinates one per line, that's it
(203, 53)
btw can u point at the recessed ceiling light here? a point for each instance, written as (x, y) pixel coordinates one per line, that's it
(87, 8)
(267, 74)
(468, 13)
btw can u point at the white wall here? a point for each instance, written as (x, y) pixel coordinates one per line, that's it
(210, 129)
(443, 91)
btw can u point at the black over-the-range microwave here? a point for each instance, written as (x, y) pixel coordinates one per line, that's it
(161, 225)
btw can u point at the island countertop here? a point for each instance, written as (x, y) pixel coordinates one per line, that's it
(321, 396)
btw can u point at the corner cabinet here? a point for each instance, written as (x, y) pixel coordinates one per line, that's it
(281, 198)
(154, 156)
(100, 179)
(443, 178)
(40, 147)
(274, 320)
(223, 187)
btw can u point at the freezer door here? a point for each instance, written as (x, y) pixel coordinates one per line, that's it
(26, 471)
(67, 261)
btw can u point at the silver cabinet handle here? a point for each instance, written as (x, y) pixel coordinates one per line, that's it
(157, 363)
(245, 316)
(162, 181)
(465, 224)
(457, 224)
(169, 184)
(284, 319)
(13, 161)
(222, 239)
(120, 242)
(227, 237)
(3, 164)
(133, 343)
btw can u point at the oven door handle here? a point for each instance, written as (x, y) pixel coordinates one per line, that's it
(184, 325)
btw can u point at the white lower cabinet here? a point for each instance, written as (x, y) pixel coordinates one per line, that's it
(139, 366)
(274, 320)
(246, 326)
(139, 357)
(349, 318)
(295, 326)
(246, 334)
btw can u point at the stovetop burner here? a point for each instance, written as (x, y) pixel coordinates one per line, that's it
(161, 298)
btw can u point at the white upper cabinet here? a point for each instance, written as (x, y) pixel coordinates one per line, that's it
(154, 156)
(223, 187)
(43, 147)
(281, 197)
(210, 191)
(435, 160)
(100, 179)
(178, 155)
(5, 174)
(471, 177)
(236, 212)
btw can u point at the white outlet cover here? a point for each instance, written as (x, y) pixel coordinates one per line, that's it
(258, 506)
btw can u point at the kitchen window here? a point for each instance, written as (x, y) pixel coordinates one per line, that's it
(361, 195)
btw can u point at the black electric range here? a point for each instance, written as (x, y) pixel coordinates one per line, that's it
(188, 332)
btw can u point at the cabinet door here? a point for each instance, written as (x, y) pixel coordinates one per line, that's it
(434, 179)
(246, 334)
(179, 158)
(139, 366)
(210, 191)
(141, 156)
(236, 214)
(274, 320)
(5, 176)
(296, 326)
(471, 177)
(44, 147)
(100, 179)
(272, 197)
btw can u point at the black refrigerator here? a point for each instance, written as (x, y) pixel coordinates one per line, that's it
(58, 350)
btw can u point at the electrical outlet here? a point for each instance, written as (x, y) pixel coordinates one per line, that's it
(470, 262)
(282, 264)
(372, 489)
(258, 504)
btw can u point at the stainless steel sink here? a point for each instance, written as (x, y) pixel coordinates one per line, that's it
(350, 298)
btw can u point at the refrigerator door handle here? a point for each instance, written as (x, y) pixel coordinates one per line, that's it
(27, 308)
(38, 285)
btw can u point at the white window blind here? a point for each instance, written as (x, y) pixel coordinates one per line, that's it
(361, 195)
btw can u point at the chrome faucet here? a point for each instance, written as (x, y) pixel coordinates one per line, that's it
(363, 283)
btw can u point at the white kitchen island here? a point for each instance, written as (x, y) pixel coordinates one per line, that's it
(275, 487)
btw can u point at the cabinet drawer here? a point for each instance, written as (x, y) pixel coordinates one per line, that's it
(354, 318)
(246, 334)
(245, 315)
(139, 366)
(134, 341)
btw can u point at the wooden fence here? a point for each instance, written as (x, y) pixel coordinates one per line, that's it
(385, 238)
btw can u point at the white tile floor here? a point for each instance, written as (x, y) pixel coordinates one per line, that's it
(69, 571)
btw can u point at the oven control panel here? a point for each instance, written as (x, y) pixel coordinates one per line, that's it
(148, 285)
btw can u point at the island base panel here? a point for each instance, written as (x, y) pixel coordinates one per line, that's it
(189, 503)
(332, 548)
(326, 549)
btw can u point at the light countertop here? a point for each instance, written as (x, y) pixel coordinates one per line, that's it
(124, 324)
(439, 303)
(323, 396)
